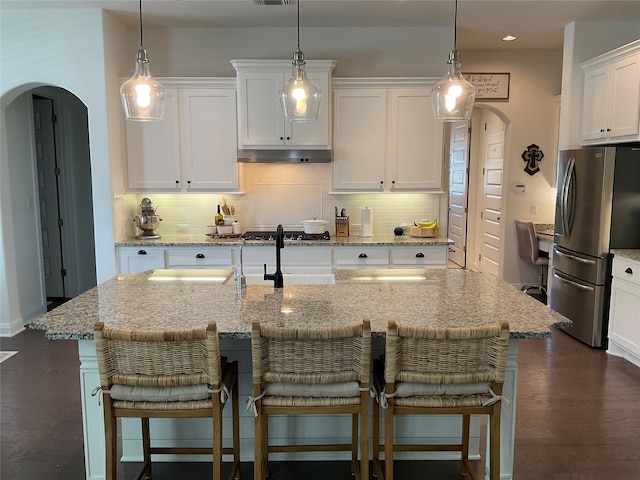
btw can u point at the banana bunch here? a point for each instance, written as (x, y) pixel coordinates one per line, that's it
(431, 224)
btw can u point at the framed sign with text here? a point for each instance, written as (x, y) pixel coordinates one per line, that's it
(489, 86)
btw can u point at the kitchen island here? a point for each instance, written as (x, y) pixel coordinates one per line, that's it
(169, 299)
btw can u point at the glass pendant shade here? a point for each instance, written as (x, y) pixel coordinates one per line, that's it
(142, 96)
(300, 97)
(453, 96)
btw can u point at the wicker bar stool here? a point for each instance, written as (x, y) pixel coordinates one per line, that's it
(431, 371)
(166, 374)
(311, 371)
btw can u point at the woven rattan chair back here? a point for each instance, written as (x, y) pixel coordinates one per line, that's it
(446, 355)
(154, 361)
(444, 371)
(316, 357)
(311, 356)
(158, 358)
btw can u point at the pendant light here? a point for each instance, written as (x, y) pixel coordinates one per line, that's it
(142, 96)
(453, 96)
(300, 97)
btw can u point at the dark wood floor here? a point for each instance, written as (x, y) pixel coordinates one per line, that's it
(578, 418)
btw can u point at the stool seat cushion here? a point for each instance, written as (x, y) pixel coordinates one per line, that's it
(180, 393)
(410, 389)
(317, 390)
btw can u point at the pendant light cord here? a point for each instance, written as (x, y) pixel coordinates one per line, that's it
(455, 25)
(140, 17)
(298, 3)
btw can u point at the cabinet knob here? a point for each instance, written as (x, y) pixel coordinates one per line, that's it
(177, 182)
(629, 271)
(200, 255)
(419, 255)
(142, 252)
(189, 182)
(362, 255)
(602, 130)
(608, 129)
(281, 138)
(288, 138)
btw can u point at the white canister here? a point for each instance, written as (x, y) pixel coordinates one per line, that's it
(366, 220)
(236, 228)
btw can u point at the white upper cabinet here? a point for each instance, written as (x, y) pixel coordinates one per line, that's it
(193, 148)
(153, 149)
(261, 123)
(611, 108)
(385, 139)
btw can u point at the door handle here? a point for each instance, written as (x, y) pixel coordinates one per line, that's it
(577, 285)
(573, 257)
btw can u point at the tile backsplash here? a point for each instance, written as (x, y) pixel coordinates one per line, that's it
(273, 194)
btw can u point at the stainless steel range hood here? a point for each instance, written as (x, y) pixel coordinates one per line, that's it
(284, 156)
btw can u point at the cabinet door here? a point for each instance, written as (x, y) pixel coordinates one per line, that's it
(415, 142)
(259, 118)
(596, 103)
(624, 326)
(153, 150)
(208, 140)
(624, 106)
(359, 127)
(140, 259)
(315, 133)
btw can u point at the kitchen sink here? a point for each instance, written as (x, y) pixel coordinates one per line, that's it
(294, 279)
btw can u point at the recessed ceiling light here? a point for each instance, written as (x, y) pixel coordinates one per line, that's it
(509, 38)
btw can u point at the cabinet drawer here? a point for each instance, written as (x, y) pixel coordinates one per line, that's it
(362, 256)
(140, 259)
(421, 256)
(194, 257)
(626, 270)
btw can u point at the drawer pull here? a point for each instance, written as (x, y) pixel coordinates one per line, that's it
(362, 255)
(200, 255)
(419, 255)
(629, 271)
(142, 252)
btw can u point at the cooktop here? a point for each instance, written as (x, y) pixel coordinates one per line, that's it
(288, 235)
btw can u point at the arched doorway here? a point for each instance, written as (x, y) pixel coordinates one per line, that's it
(48, 200)
(476, 182)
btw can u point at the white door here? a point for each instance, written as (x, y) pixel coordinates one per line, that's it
(47, 171)
(458, 192)
(491, 200)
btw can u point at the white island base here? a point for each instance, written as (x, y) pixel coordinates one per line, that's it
(197, 432)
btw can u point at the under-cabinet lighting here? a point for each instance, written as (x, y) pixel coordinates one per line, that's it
(202, 278)
(389, 278)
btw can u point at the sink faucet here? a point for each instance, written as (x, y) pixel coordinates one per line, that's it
(278, 281)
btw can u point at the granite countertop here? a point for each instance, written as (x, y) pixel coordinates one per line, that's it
(204, 240)
(422, 297)
(629, 253)
(544, 231)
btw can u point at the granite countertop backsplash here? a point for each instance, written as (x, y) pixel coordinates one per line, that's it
(203, 240)
(420, 297)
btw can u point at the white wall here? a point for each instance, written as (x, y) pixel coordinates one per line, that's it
(61, 48)
(187, 52)
(531, 112)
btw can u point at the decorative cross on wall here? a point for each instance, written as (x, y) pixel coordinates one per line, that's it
(532, 156)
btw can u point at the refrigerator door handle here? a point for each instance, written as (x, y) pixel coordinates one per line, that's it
(573, 257)
(577, 285)
(567, 183)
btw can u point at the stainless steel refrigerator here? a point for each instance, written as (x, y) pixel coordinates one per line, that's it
(597, 209)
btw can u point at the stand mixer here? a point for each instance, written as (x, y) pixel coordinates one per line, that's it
(147, 221)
